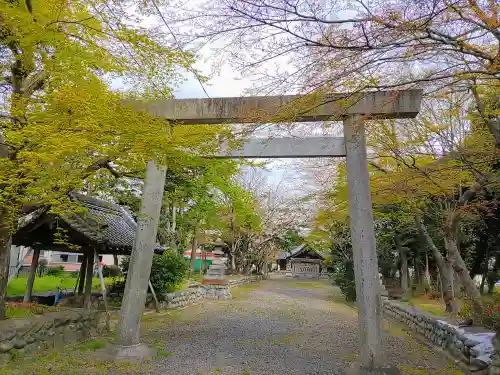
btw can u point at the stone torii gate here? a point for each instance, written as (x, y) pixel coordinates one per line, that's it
(360, 107)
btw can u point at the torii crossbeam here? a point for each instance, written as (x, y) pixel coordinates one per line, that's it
(352, 109)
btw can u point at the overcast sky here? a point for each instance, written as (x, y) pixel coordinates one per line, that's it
(292, 173)
(227, 84)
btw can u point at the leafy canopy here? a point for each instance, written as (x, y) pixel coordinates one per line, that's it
(61, 121)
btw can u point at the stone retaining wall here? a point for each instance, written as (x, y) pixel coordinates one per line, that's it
(471, 345)
(217, 291)
(182, 298)
(195, 293)
(39, 332)
(495, 358)
(245, 280)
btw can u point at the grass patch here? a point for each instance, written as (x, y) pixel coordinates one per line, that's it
(339, 298)
(176, 287)
(349, 357)
(162, 353)
(91, 344)
(74, 358)
(15, 311)
(50, 283)
(436, 306)
(432, 306)
(307, 284)
(243, 291)
(195, 276)
(18, 312)
(408, 370)
(394, 329)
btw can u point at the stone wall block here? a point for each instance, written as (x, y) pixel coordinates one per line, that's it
(7, 334)
(6, 346)
(19, 343)
(458, 341)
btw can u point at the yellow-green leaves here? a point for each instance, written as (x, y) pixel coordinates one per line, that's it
(65, 120)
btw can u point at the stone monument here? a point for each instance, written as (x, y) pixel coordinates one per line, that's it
(215, 281)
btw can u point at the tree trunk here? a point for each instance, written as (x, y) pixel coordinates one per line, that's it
(403, 259)
(83, 269)
(233, 259)
(266, 262)
(87, 301)
(173, 233)
(194, 247)
(443, 267)
(491, 288)
(491, 275)
(5, 241)
(32, 274)
(115, 259)
(404, 270)
(483, 282)
(459, 266)
(427, 271)
(416, 267)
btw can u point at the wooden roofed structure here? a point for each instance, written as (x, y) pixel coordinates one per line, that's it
(303, 261)
(96, 227)
(106, 227)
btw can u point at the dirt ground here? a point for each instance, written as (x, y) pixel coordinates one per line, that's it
(276, 326)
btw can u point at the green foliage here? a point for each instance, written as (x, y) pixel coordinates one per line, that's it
(49, 283)
(490, 317)
(167, 270)
(42, 267)
(65, 127)
(23, 310)
(111, 271)
(290, 239)
(55, 271)
(343, 277)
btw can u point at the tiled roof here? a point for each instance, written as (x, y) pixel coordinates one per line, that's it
(101, 223)
(105, 223)
(283, 255)
(296, 249)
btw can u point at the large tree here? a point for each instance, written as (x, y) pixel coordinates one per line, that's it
(61, 124)
(335, 45)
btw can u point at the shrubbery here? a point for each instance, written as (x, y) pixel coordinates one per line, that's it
(343, 277)
(167, 270)
(111, 271)
(55, 271)
(491, 314)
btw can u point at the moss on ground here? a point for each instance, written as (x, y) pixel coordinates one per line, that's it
(76, 358)
(309, 284)
(243, 291)
(49, 283)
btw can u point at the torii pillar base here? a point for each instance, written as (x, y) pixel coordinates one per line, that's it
(133, 354)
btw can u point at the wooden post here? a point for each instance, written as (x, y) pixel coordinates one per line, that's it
(81, 281)
(157, 304)
(31, 277)
(88, 282)
(101, 279)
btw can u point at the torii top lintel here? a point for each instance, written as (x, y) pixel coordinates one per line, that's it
(287, 108)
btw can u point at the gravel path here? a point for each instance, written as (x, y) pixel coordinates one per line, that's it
(269, 328)
(277, 327)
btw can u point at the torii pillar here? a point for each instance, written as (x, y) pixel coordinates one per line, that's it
(361, 106)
